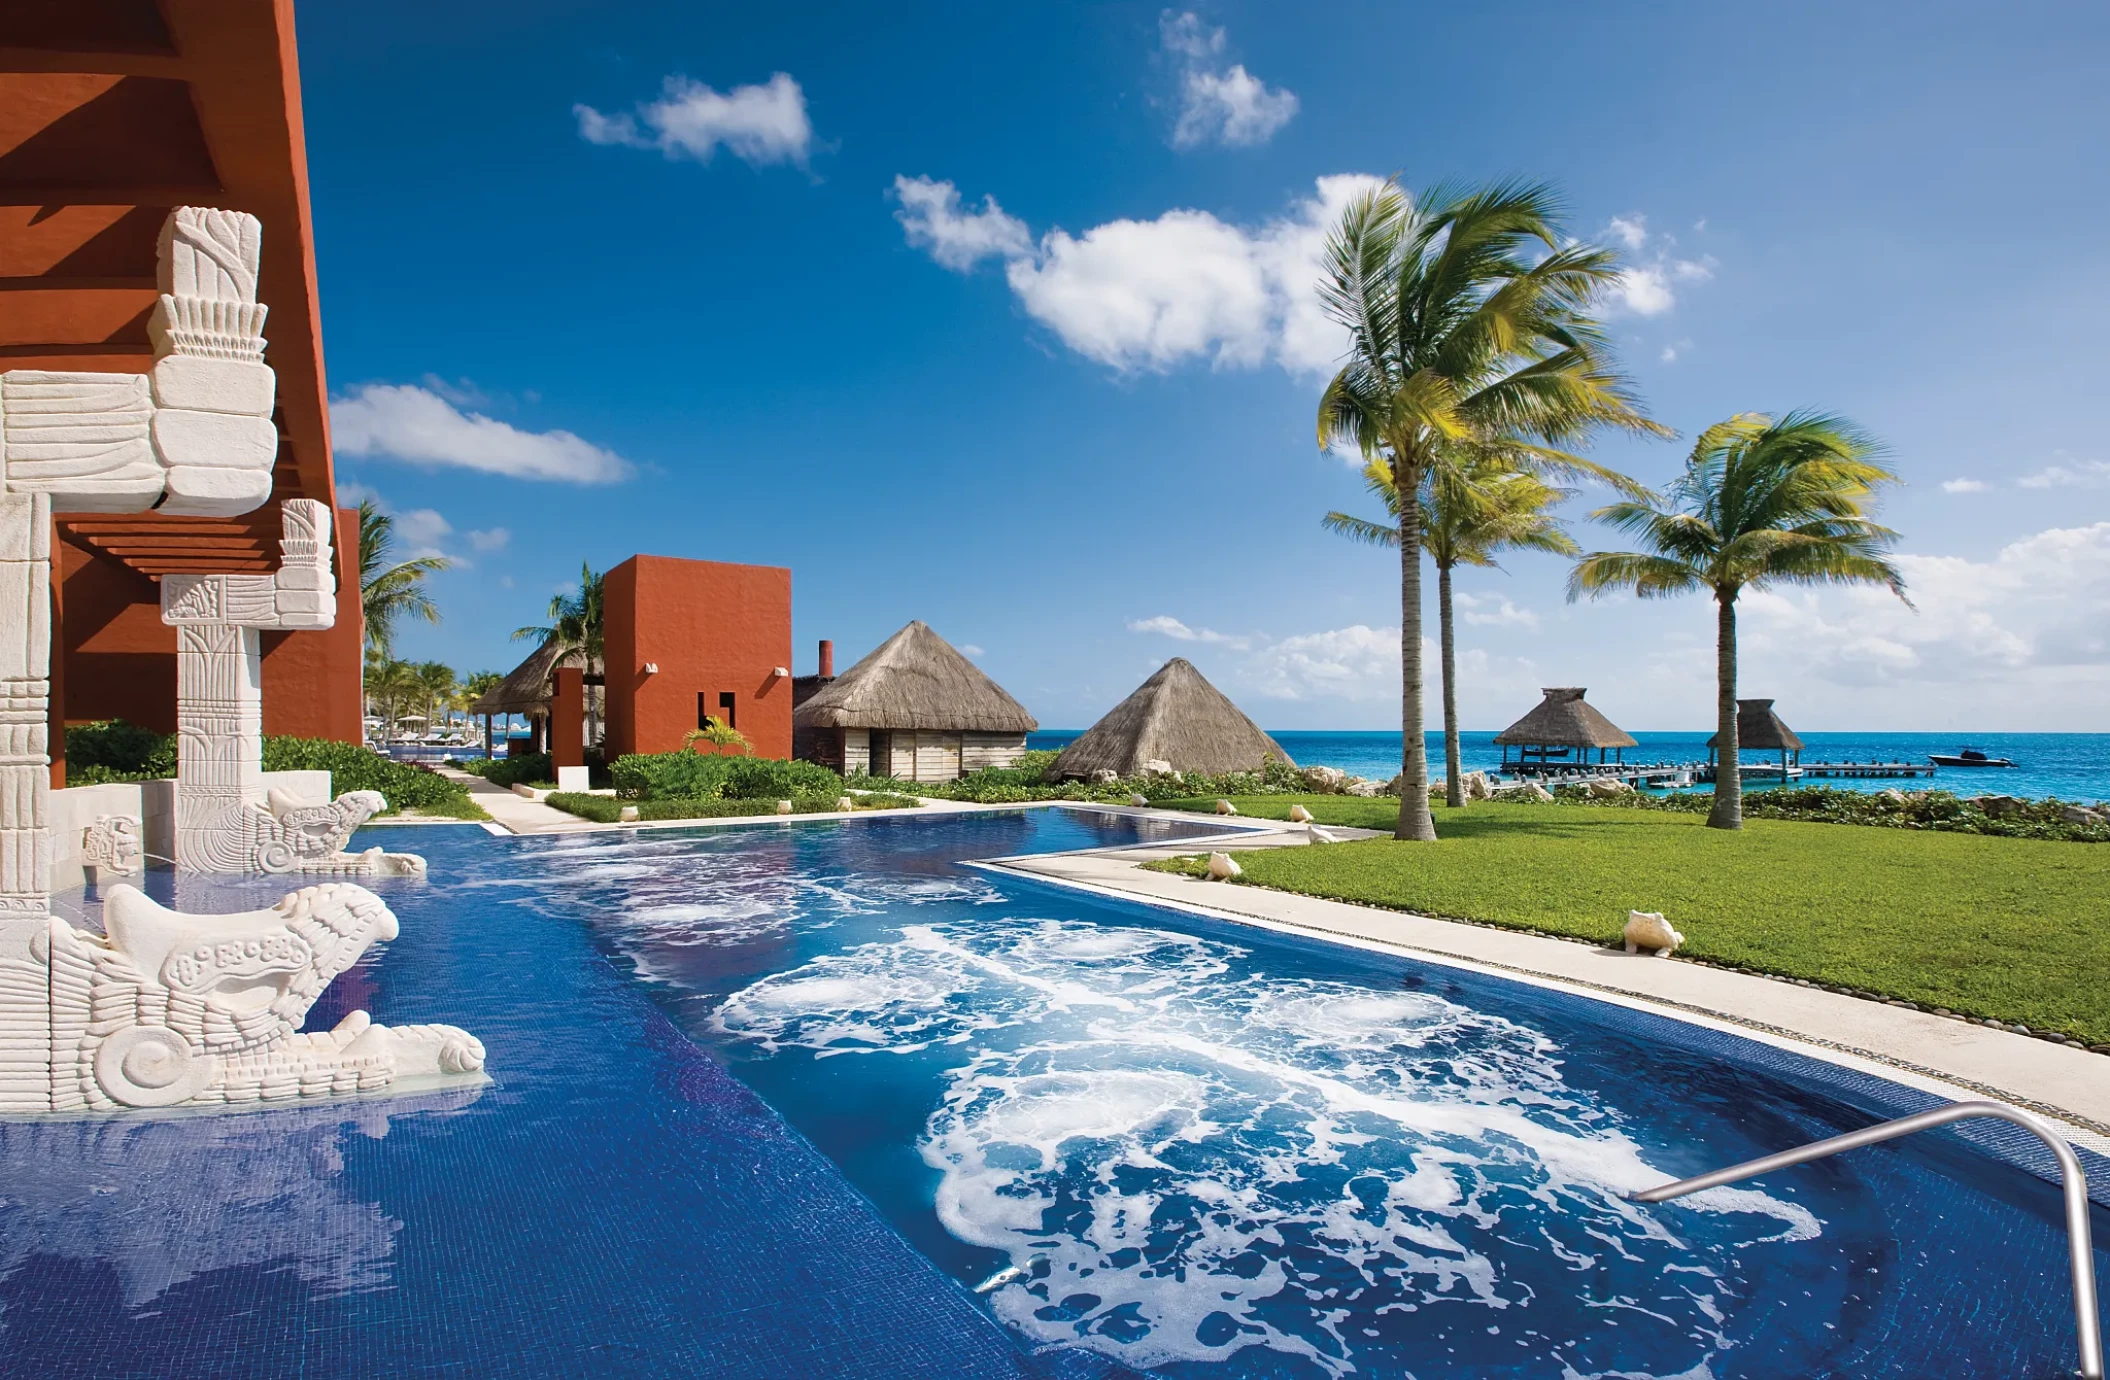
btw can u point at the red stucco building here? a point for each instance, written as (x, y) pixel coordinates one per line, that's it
(687, 640)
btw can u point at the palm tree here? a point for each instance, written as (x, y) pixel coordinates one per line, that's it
(1469, 319)
(576, 628)
(1470, 510)
(719, 734)
(389, 592)
(435, 686)
(391, 687)
(1761, 502)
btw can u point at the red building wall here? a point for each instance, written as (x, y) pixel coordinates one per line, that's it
(713, 629)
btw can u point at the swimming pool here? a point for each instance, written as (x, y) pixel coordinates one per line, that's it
(1163, 1144)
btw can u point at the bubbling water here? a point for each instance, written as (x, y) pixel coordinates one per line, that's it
(1182, 1158)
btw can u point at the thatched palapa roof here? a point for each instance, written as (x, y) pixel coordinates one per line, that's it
(526, 688)
(1178, 717)
(1758, 727)
(915, 679)
(1564, 719)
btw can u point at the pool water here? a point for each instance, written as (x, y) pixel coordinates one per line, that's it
(1156, 1143)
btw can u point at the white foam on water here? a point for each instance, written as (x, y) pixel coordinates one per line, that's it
(1182, 1160)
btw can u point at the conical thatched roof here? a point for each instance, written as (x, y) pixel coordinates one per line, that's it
(1757, 726)
(1564, 719)
(1176, 716)
(915, 679)
(526, 688)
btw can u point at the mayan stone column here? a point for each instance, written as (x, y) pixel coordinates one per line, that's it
(25, 703)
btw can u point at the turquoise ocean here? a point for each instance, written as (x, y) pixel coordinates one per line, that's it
(2070, 766)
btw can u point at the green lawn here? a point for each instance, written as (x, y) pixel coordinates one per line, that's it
(2015, 929)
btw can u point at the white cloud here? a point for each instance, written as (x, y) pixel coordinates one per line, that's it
(490, 539)
(414, 424)
(969, 649)
(1964, 486)
(1217, 104)
(930, 213)
(2033, 621)
(1492, 611)
(1168, 626)
(1357, 663)
(2075, 474)
(761, 125)
(1630, 231)
(1156, 293)
(1649, 287)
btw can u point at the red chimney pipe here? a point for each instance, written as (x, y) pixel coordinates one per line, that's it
(827, 659)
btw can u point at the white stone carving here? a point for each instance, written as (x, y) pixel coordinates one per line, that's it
(113, 843)
(225, 820)
(172, 1009)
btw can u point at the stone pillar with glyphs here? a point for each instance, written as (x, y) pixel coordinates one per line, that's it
(225, 820)
(166, 1008)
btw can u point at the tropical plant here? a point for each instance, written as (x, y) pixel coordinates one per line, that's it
(1470, 510)
(1469, 321)
(390, 591)
(719, 734)
(436, 689)
(392, 687)
(1761, 502)
(575, 629)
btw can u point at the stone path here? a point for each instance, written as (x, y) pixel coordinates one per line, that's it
(515, 814)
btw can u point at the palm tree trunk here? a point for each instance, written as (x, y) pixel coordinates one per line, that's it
(1415, 821)
(1728, 811)
(1453, 771)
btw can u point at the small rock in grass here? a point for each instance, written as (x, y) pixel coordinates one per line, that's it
(1139, 799)
(1105, 776)
(1314, 834)
(1299, 815)
(844, 804)
(627, 815)
(1225, 807)
(783, 807)
(1943, 1011)
(1649, 930)
(1222, 867)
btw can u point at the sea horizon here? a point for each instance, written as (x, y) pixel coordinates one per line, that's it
(2068, 766)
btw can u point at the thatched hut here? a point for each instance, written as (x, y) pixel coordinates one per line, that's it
(914, 709)
(1561, 724)
(1759, 729)
(1177, 717)
(526, 690)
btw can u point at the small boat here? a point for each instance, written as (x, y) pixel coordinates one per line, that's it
(1967, 757)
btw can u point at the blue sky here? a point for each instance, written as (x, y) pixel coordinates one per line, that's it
(1000, 318)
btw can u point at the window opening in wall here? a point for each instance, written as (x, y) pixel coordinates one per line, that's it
(728, 712)
(703, 710)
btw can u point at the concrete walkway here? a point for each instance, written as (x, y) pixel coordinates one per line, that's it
(1946, 1056)
(515, 814)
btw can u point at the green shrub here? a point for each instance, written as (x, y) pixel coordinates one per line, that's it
(113, 750)
(604, 809)
(356, 768)
(1024, 782)
(692, 776)
(514, 771)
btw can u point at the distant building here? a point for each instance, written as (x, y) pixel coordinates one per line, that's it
(1176, 717)
(914, 709)
(691, 640)
(1759, 729)
(1561, 731)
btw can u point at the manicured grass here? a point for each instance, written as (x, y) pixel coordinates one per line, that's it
(2014, 929)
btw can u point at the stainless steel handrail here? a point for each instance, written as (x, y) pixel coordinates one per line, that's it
(2087, 1321)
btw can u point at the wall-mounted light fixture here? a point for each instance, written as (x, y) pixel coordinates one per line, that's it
(780, 672)
(651, 668)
